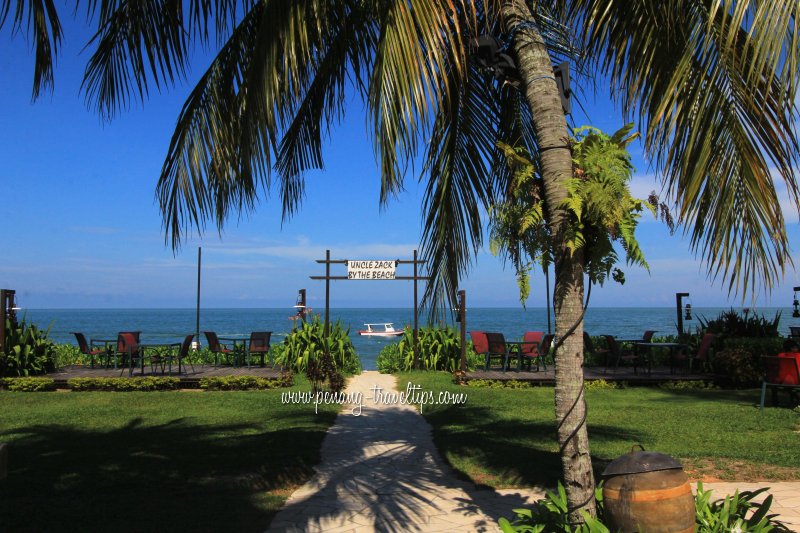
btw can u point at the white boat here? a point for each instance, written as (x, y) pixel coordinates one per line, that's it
(373, 330)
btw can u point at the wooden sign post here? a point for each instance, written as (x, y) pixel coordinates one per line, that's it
(6, 312)
(372, 270)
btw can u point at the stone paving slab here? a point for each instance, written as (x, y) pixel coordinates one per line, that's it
(381, 472)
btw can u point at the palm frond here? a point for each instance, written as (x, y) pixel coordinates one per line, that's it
(714, 85)
(44, 27)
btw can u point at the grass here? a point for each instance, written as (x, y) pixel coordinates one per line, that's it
(506, 437)
(171, 461)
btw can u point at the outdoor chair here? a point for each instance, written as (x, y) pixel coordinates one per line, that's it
(497, 349)
(164, 359)
(794, 332)
(618, 354)
(544, 348)
(781, 373)
(703, 353)
(85, 349)
(480, 344)
(128, 349)
(216, 348)
(529, 350)
(258, 345)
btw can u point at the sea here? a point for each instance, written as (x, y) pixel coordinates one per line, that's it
(171, 325)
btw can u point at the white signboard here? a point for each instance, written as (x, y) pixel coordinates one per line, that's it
(371, 269)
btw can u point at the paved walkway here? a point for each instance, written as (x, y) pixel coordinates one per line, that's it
(381, 472)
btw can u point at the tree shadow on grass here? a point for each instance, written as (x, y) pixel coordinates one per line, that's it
(386, 473)
(175, 476)
(516, 453)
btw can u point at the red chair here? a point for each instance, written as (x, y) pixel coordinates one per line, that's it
(529, 350)
(259, 345)
(85, 349)
(703, 352)
(618, 354)
(782, 372)
(498, 349)
(480, 344)
(216, 348)
(128, 349)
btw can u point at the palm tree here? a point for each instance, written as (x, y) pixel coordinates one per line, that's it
(713, 85)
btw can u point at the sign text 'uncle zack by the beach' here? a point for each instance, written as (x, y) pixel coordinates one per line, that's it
(371, 269)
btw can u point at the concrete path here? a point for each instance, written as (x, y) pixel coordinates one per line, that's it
(381, 472)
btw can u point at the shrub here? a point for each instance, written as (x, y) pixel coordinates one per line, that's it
(601, 384)
(496, 384)
(123, 384)
(68, 354)
(741, 362)
(439, 349)
(27, 350)
(309, 342)
(28, 384)
(732, 324)
(246, 382)
(688, 385)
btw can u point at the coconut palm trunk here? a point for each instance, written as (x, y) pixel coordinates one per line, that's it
(542, 95)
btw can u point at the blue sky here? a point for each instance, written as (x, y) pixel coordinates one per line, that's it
(81, 227)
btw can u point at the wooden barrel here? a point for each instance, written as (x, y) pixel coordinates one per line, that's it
(648, 491)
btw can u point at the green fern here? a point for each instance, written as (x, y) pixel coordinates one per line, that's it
(601, 208)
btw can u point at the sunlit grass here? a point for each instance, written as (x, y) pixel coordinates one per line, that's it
(506, 437)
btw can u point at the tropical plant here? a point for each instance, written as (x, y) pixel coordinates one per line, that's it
(27, 350)
(733, 324)
(739, 512)
(439, 349)
(714, 85)
(551, 514)
(599, 205)
(309, 342)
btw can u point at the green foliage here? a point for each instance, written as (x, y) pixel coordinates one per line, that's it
(741, 360)
(321, 370)
(68, 354)
(601, 384)
(439, 349)
(123, 384)
(688, 385)
(27, 350)
(738, 512)
(28, 384)
(309, 342)
(601, 208)
(246, 382)
(550, 515)
(733, 324)
(498, 384)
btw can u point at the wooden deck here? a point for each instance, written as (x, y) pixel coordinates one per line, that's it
(548, 377)
(189, 378)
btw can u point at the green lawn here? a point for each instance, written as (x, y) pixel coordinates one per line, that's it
(506, 437)
(157, 461)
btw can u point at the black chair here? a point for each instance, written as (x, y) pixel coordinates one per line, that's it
(258, 345)
(618, 354)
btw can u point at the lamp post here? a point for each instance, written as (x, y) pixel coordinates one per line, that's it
(679, 296)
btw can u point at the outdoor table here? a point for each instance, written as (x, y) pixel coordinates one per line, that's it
(237, 341)
(636, 343)
(672, 346)
(519, 345)
(107, 344)
(143, 347)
